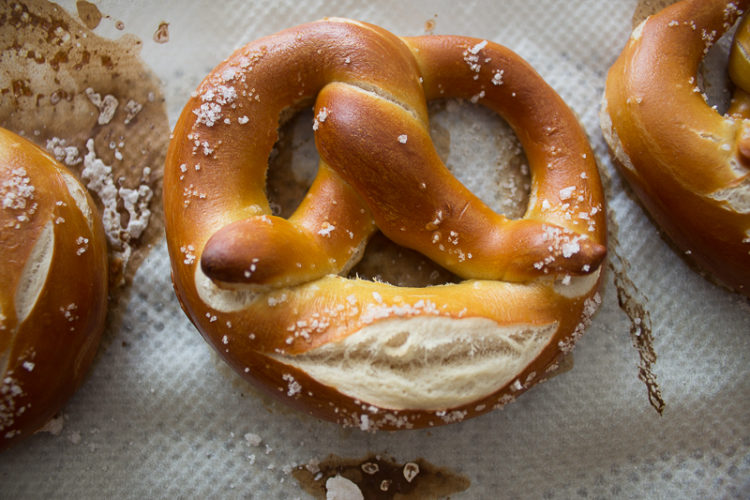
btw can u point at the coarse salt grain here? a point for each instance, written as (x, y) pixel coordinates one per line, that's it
(497, 77)
(293, 386)
(132, 108)
(100, 180)
(106, 106)
(341, 488)
(570, 248)
(320, 118)
(326, 229)
(567, 193)
(475, 98)
(17, 194)
(69, 155)
(253, 439)
(476, 48)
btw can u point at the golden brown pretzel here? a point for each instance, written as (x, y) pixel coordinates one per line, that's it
(53, 298)
(687, 163)
(267, 292)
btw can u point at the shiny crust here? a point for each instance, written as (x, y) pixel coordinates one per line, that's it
(266, 291)
(688, 164)
(54, 293)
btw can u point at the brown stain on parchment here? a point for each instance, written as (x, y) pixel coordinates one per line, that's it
(161, 35)
(382, 478)
(632, 301)
(429, 25)
(89, 14)
(48, 60)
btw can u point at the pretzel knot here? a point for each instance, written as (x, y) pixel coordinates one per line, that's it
(269, 293)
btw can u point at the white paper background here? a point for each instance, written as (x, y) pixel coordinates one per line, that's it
(160, 416)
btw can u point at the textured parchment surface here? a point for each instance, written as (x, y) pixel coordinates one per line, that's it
(160, 416)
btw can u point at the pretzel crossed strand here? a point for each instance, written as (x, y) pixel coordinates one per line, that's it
(265, 290)
(493, 247)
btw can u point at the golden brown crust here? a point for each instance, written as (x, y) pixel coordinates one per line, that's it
(54, 294)
(262, 289)
(685, 161)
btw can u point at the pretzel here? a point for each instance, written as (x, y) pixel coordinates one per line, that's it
(686, 162)
(53, 298)
(270, 294)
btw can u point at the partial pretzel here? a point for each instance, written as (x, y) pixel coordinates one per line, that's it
(687, 163)
(53, 298)
(268, 292)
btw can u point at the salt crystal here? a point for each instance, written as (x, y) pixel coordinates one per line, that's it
(132, 108)
(476, 48)
(341, 488)
(370, 468)
(106, 106)
(567, 193)
(410, 471)
(570, 248)
(326, 229)
(497, 77)
(253, 439)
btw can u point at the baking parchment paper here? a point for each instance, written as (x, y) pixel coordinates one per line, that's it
(161, 417)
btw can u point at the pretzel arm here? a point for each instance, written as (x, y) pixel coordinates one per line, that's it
(325, 235)
(418, 203)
